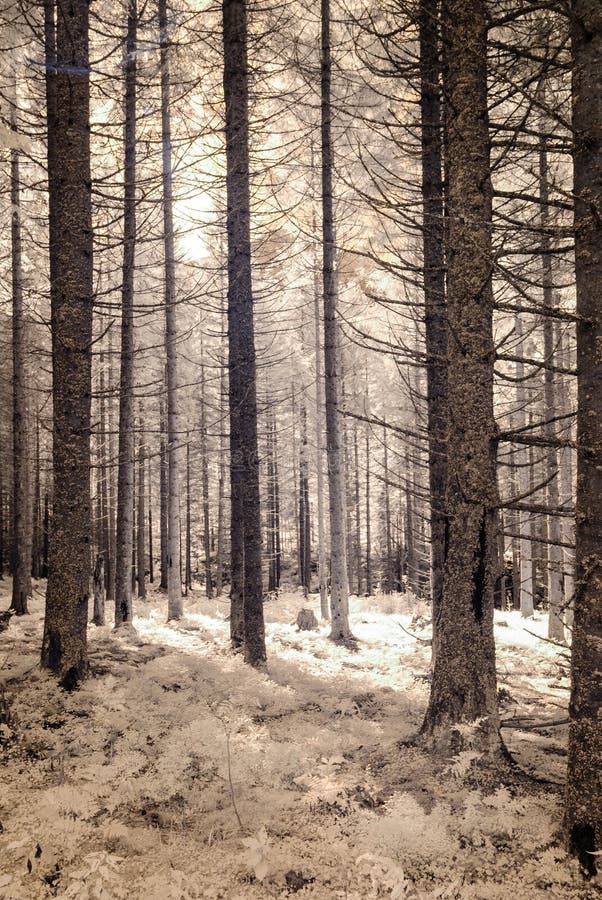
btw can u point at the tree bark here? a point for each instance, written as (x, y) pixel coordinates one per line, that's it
(64, 649)
(174, 579)
(339, 587)
(98, 617)
(141, 529)
(21, 469)
(434, 286)
(244, 461)
(125, 470)
(322, 560)
(163, 497)
(583, 810)
(463, 688)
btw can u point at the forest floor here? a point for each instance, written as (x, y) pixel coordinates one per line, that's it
(178, 772)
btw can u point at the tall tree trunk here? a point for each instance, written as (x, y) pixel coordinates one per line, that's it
(434, 286)
(174, 580)
(151, 563)
(188, 550)
(205, 489)
(554, 530)
(141, 529)
(463, 688)
(163, 497)
(583, 819)
(244, 462)
(339, 586)
(523, 469)
(304, 516)
(322, 560)
(368, 522)
(64, 649)
(103, 479)
(388, 572)
(21, 469)
(36, 547)
(219, 560)
(358, 523)
(125, 470)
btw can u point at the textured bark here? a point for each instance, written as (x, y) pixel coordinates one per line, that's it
(98, 616)
(125, 469)
(64, 647)
(244, 462)
(188, 550)
(339, 586)
(163, 497)
(434, 286)
(523, 470)
(387, 576)
(151, 563)
(36, 545)
(554, 529)
(21, 565)
(219, 561)
(141, 524)
(368, 523)
(583, 819)
(205, 490)
(174, 579)
(464, 687)
(358, 523)
(322, 562)
(304, 517)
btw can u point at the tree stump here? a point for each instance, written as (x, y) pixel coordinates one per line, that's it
(306, 620)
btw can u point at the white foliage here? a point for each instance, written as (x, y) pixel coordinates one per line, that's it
(258, 853)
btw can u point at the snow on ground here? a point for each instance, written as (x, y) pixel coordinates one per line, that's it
(178, 772)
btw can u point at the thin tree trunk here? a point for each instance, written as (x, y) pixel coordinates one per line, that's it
(36, 549)
(151, 563)
(555, 556)
(434, 287)
(583, 810)
(322, 560)
(244, 462)
(388, 574)
(358, 524)
(523, 468)
(174, 580)
(64, 649)
(125, 469)
(163, 497)
(339, 595)
(304, 518)
(98, 617)
(205, 489)
(219, 561)
(368, 522)
(188, 550)
(21, 469)
(463, 688)
(140, 533)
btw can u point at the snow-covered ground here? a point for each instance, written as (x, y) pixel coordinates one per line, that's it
(178, 772)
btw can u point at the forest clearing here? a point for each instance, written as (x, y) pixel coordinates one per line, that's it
(122, 788)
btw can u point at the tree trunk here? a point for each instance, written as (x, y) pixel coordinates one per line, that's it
(64, 649)
(151, 563)
(174, 580)
(141, 529)
(358, 523)
(163, 497)
(219, 561)
(339, 587)
(21, 470)
(388, 572)
(98, 617)
(463, 688)
(554, 530)
(188, 550)
(304, 517)
(368, 523)
(125, 470)
(434, 286)
(322, 562)
(523, 468)
(583, 812)
(205, 489)
(244, 462)
(36, 547)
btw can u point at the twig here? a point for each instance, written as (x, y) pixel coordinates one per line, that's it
(425, 641)
(547, 640)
